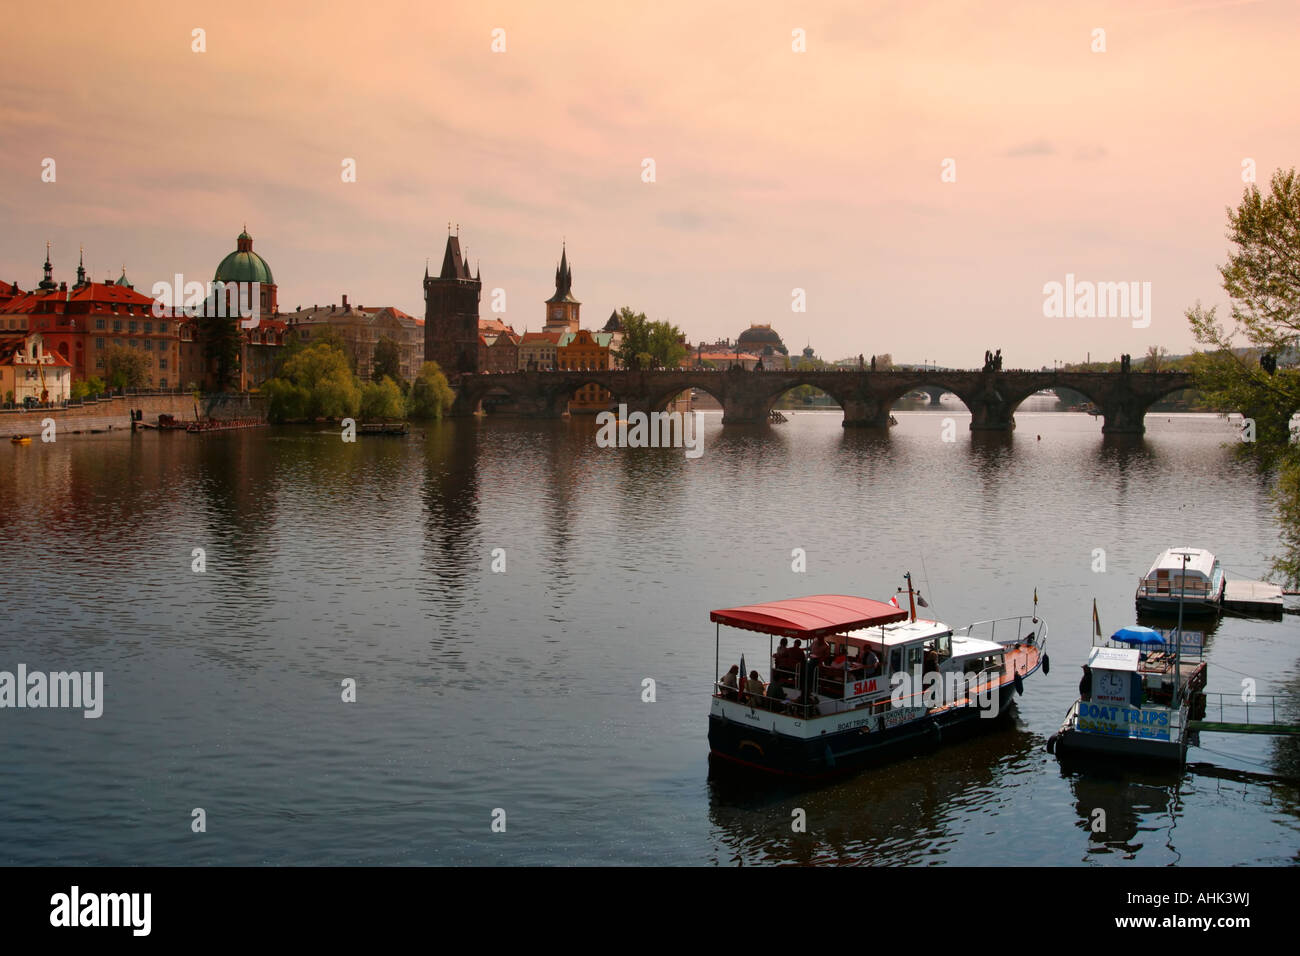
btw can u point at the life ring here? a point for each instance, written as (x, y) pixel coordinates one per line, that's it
(1047, 664)
(1020, 684)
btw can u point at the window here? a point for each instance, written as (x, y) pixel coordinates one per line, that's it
(99, 324)
(148, 327)
(162, 383)
(99, 362)
(162, 328)
(131, 326)
(133, 342)
(162, 364)
(99, 343)
(117, 325)
(148, 344)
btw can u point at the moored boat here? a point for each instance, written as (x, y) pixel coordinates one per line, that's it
(878, 682)
(1190, 575)
(1136, 698)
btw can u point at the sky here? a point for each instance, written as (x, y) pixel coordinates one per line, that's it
(775, 168)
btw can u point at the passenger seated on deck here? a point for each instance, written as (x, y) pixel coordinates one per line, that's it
(730, 682)
(776, 695)
(870, 662)
(754, 689)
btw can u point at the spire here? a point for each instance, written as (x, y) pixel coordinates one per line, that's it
(453, 265)
(81, 268)
(426, 268)
(48, 281)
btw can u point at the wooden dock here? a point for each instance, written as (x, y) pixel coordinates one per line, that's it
(1253, 597)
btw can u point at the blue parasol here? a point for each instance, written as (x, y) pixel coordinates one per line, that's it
(1137, 634)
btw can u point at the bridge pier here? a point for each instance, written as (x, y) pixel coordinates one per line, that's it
(865, 413)
(991, 413)
(1124, 417)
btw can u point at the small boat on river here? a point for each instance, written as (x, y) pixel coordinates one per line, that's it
(1192, 576)
(1136, 698)
(878, 681)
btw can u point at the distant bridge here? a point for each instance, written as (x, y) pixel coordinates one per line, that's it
(866, 397)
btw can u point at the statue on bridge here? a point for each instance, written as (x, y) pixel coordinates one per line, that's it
(1125, 363)
(992, 361)
(873, 363)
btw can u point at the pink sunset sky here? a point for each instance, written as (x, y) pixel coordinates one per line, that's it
(775, 169)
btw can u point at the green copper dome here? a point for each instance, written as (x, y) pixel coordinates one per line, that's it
(244, 265)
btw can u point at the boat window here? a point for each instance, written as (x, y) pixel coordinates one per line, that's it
(943, 644)
(915, 653)
(895, 660)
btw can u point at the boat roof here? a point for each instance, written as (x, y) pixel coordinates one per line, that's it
(968, 646)
(817, 614)
(1198, 560)
(1114, 658)
(904, 632)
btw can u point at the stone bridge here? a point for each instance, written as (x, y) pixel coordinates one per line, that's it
(866, 397)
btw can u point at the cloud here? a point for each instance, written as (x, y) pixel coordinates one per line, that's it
(1035, 147)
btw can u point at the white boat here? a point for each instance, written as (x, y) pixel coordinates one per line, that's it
(1190, 575)
(1135, 701)
(886, 682)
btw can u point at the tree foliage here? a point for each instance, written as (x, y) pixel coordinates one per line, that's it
(387, 360)
(315, 382)
(648, 344)
(126, 367)
(382, 400)
(430, 396)
(1262, 278)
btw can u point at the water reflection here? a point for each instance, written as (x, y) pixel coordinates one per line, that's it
(902, 812)
(1122, 810)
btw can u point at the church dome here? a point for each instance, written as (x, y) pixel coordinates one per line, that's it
(244, 265)
(757, 337)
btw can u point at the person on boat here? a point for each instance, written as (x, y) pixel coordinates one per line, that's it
(1085, 683)
(870, 663)
(731, 682)
(754, 689)
(776, 696)
(780, 659)
(819, 650)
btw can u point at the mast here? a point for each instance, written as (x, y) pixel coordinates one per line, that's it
(1178, 647)
(911, 598)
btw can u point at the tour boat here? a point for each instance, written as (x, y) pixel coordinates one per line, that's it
(1190, 575)
(883, 682)
(20, 439)
(1135, 701)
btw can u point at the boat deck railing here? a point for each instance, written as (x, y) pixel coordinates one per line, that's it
(1249, 714)
(1007, 630)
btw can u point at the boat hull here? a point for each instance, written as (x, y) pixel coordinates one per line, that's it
(833, 753)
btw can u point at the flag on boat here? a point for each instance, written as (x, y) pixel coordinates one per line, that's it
(1035, 595)
(921, 601)
(894, 601)
(1096, 622)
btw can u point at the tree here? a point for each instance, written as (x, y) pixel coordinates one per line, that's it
(387, 360)
(126, 367)
(1262, 278)
(95, 386)
(315, 382)
(648, 344)
(1156, 358)
(220, 339)
(430, 395)
(382, 400)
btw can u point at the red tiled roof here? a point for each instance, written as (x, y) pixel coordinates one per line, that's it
(552, 338)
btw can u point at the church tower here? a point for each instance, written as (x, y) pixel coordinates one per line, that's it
(562, 308)
(451, 313)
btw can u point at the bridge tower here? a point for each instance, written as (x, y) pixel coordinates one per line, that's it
(562, 308)
(451, 303)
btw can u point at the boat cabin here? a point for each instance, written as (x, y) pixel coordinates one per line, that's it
(1201, 580)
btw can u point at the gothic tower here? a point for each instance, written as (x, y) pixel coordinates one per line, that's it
(562, 308)
(451, 313)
